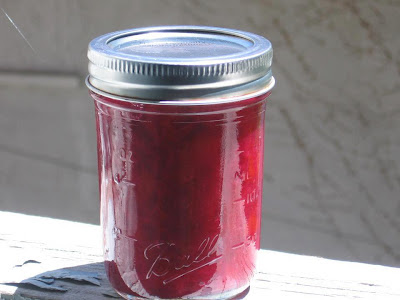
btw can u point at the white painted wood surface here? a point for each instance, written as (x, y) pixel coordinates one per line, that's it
(64, 245)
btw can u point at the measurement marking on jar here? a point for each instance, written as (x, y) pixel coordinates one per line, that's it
(237, 246)
(120, 235)
(242, 175)
(250, 197)
(238, 200)
(126, 156)
(249, 240)
(126, 162)
(118, 178)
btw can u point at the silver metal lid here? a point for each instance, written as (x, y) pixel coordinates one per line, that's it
(179, 63)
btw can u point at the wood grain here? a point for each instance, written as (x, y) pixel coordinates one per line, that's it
(32, 245)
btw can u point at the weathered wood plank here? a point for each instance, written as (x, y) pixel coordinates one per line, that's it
(76, 247)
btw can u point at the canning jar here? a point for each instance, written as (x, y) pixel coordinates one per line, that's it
(180, 138)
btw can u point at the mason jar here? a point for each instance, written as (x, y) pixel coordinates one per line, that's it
(180, 140)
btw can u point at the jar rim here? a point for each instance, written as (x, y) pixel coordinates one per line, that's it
(216, 99)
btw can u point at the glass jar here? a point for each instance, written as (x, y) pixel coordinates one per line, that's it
(180, 127)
